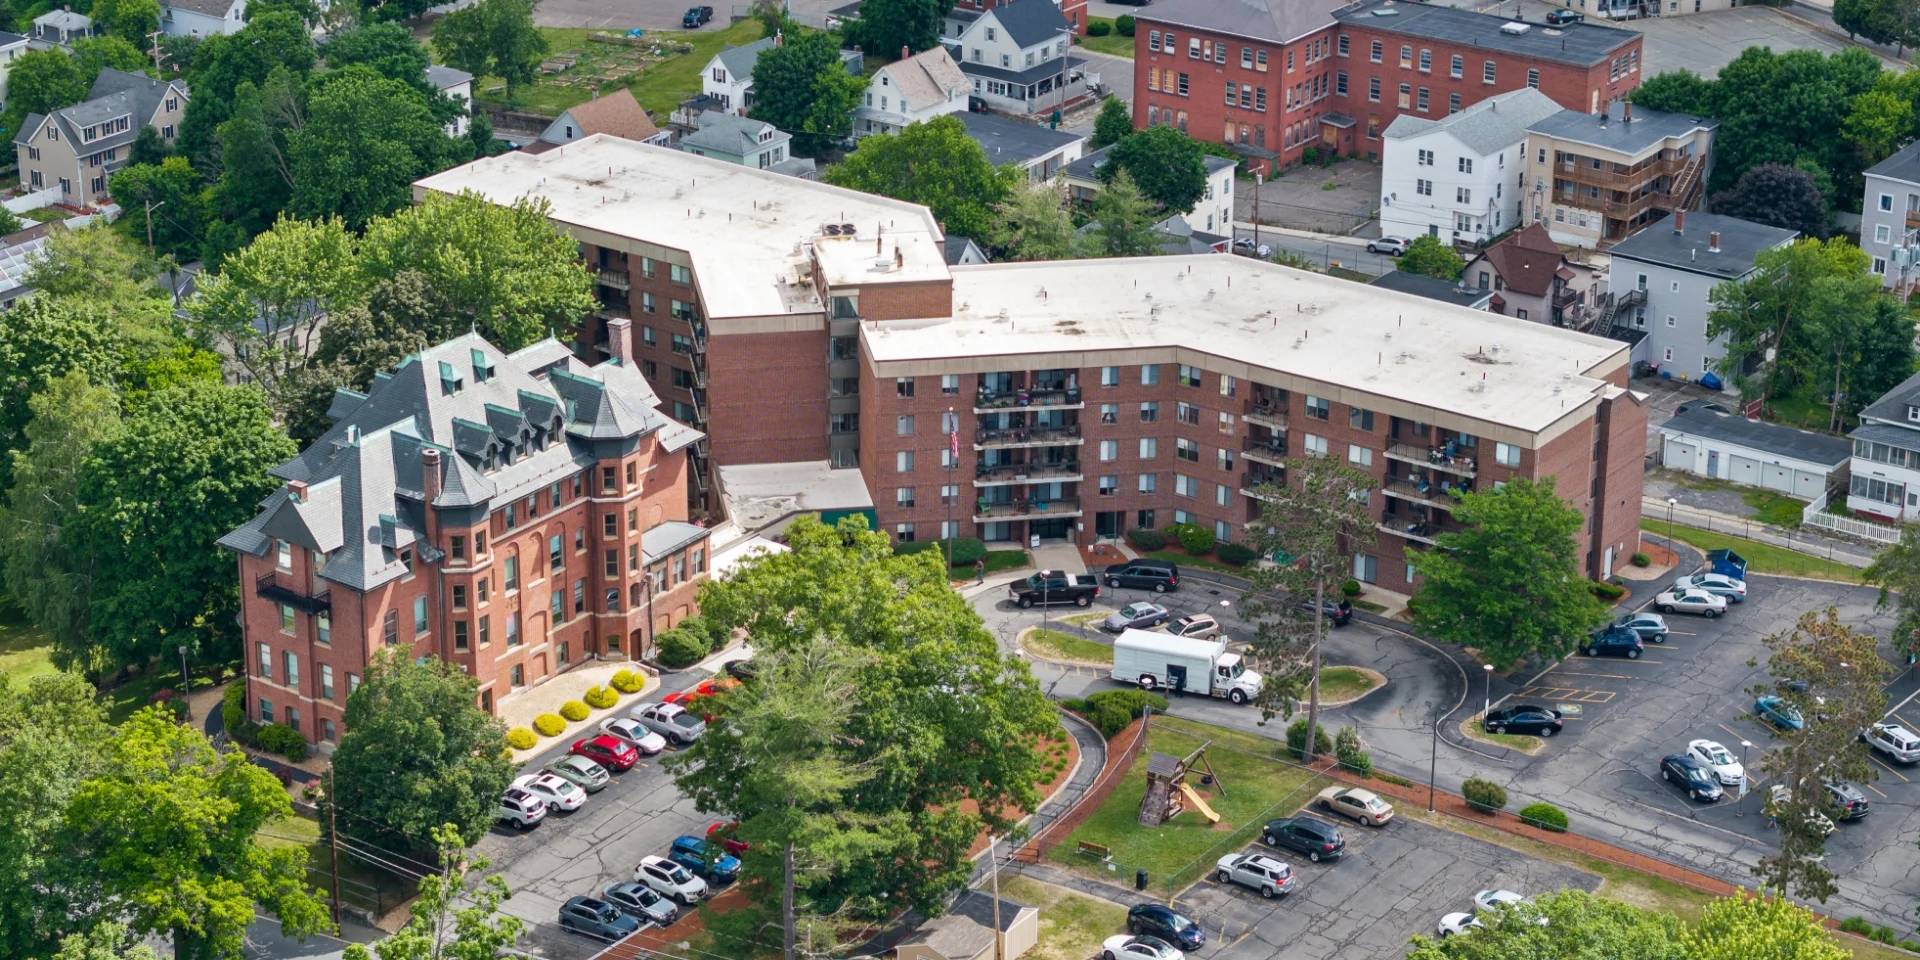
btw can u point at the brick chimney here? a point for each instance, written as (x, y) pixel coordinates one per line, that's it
(297, 489)
(1713, 241)
(1626, 112)
(430, 474)
(620, 339)
(1680, 221)
(904, 52)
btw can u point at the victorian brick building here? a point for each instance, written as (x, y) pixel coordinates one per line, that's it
(1276, 77)
(514, 514)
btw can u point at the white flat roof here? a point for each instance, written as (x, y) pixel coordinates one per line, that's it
(1273, 318)
(663, 196)
(762, 497)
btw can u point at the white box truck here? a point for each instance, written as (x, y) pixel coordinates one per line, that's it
(1163, 661)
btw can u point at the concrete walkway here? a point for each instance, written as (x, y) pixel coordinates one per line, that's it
(1839, 551)
(520, 709)
(1059, 556)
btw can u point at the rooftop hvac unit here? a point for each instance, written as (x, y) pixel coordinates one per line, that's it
(1515, 29)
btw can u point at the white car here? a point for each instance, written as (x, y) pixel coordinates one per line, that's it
(634, 732)
(1893, 740)
(1272, 878)
(1780, 803)
(1454, 923)
(1246, 246)
(1492, 901)
(1124, 947)
(670, 880)
(1691, 601)
(1393, 246)
(1720, 585)
(521, 809)
(558, 793)
(1718, 760)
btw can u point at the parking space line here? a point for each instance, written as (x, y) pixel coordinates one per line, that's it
(1609, 676)
(1574, 694)
(1722, 726)
(1909, 723)
(1877, 761)
(1869, 786)
(1678, 633)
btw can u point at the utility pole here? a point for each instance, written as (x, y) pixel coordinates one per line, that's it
(1258, 179)
(999, 934)
(154, 37)
(786, 901)
(333, 836)
(151, 207)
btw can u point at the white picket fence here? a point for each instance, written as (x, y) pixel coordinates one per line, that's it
(1815, 515)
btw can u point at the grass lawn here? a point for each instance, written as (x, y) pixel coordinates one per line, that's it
(1472, 730)
(1182, 849)
(997, 560)
(1369, 606)
(1805, 410)
(1072, 926)
(662, 86)
(1761, 557)
(1057, 645)
(23, 648)
(1343, 683)
(126, 699)
(1112, 44)
(1775, 509)
(1081, 619)
(1206, 563)
(659, 87)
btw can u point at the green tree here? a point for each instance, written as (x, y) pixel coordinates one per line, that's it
(1812, 301)
(1428, 256)
(1878, 123)
(97, 272)
(934, 163)
(1509, 584)
(190, 465)
(45, 576)
(502, 268)
(389, 48)
(1112, 124)
(148, 148)
(256, 176)
(272, 38)
(1169, 167)
(1578, 926)
(888, 25)
(366, 139)
(41, 81)
(439, 928)
(51, 734)
(1759, 928)
(1779, 196)
(173, 188)
(1818, 665)
(95, 54)
(402, 316)
(802, 87)
(128, 20)
(492, 38)
(418, 754)
(1319, 515)
(1123, 222)
(1032, 224)
(929, 666)
(170, 825)
(9, 223)
(43, 340)
(1676, 91)
(108, 941)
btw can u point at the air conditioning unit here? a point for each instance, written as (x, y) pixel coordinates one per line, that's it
(1515, 29)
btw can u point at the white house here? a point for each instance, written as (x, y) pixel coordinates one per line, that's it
(1709, 440)
(12, 45)
(61, 28)
(202, 18)
(1890, 216)
(728, 79)
(1455, 176)
(457, 84)
(1016, 56)
(1671, 268)
(1037, 148)
(911, 90)
(1212, 213)
(1885, 469)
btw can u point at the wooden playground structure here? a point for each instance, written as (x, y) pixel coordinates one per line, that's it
(1168, 793)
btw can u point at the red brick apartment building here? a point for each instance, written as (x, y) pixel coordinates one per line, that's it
(1076, 399)
(1274, 77)
(516, 514)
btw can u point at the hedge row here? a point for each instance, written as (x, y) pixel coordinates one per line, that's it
(1111, 710)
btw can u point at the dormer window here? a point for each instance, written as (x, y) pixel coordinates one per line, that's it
(482, 366)
(1913, 413)
(450, 382)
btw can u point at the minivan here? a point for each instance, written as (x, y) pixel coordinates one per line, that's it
(1159, 576)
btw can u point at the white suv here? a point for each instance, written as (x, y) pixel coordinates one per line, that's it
(1893, 740)
(522, 809)
(670, 880)
(1257, 871)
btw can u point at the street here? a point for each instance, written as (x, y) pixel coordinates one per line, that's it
(1347, 252)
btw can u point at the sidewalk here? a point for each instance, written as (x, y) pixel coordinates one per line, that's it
(1712, 521)
(520, 709)
(1358, 243)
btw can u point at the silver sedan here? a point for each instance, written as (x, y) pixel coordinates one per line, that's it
(1135, 616)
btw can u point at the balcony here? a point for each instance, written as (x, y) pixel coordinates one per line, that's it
(1435, 494)
(1433, 457)
(1913, 219)
(1565, 297)
(1273, 416)
(699, 334)
(699, 406)
(1027, 509)
(1273, 454)
(1613, 176)
(1025, 437)
(698, 467)
(617, 279)
(1004, 401)
(282, 587)
(1415, 530)
(1009, 474)
(1254, 480)
(699, 364)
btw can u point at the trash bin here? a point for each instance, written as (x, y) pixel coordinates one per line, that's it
(1139, 879)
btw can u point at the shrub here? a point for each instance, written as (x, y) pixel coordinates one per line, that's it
(1642, 560)
(1390, 778)
(1098, 28)
(1608, 592)
(1884, 934)
(1546, 816)
(1350, 588)
(549, 724)
(1346, 746)
(1235, 554)
(966, 550)
(679, 648)
(1144, 539)
(1195, 539)
(1909, 946)
(627, 681)
(710, 632)
(233, 707)
(600, 698)
(1109, 717)
(520, 738)
(1297, 739)
(1111, 710)
(282, 739)
(1123, 25)
(574, 710)
(1857, 925)
(1483, 795)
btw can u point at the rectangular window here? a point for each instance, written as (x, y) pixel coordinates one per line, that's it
(950, 384)
(1462, 195)
(513, 628)
(903, 533)
(1186, 413)
(903, 425)
(1223, 459)
(1149, 411)
(326, 681)
(1185, 486)
(1186, 450)
(323, 628)
(1466, 164)
(1406, 55)
(1486, 72)
(1420, 100)
(1318, 407)
(1147, 483)
(1506, 454)
(903, 461)
(390, 628)
(419, 615)
(1109, 486)
(511, 576)
(286, 620)
(1233, 93)
(266, 711)
(903, 497)
(1360, 419)
(1374, 52)
(1343, 47)
(1340, 83)
(580, 596)
(610, 563)
(1149, 448)
(1359, 456)
(460, 640)
(679, 274)
(1426, 61)
(1149, 374)
(1453, 103)
(264, 662)
(1458, 67)
(1109, 450)
(1316, 446)
(1373, 89)
(1533, 78)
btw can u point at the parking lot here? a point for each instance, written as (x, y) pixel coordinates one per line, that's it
(1394, 882)
(1703, 42)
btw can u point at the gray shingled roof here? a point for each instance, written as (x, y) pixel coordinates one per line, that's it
(733, 135)
(1582, 44)
(1034, 74)
(1031, 23)
(1276, 21)
(115, 93)
(1892, 405)
(210, 8)
(1903, 166)
(1740, 242)
(1701, 419)
(1646, 130)
(1490, 125)
(444, 78)
(669, 537)
(1088, 166)
(1009, 141)
(739, 60)
(1432, 288)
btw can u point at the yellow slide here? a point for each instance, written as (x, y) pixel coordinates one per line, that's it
(1199, 804)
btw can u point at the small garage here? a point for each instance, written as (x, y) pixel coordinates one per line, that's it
(966, 932)
(1708, 439)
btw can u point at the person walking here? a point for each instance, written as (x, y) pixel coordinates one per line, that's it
(980, 571)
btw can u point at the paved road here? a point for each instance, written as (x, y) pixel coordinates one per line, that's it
(1348, 252)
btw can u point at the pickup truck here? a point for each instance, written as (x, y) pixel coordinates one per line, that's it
(1049, 587)
(695, 17)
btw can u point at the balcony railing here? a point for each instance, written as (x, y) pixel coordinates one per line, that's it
(1913, 219)
(1565, 297)
(699, 335)
(282, 587)
(1253, 481)
(1611, 177)
(1273, 416)
(1273, 454)
(1031, 508)
(1011, 473)
(699, 405)
(1019, 437)
(699, 369)
(1438, 494)
(1002, 401)
(698, 467)
(1435, 457)
(615, 278)
(1417, 530)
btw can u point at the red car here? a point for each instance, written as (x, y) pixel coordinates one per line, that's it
(608, 751)
(722, 833)
(709, 687)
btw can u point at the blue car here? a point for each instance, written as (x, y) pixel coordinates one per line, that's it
(708, 861)
(1780, 713)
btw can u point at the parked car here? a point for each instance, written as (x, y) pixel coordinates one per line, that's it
(1135, 616)
(1364, 806)
(670, 880)
(1691, 601)
(1198, 626)
(1270, 877)
(1454, 923)
(1050, 587)
(558, 793)
(1614, 642)
(1691, 776)
(634, 732)
(1166, 923)
(671, 721)
(742, 670)
(611, 752)
(637, 900)
(695, 17)
(700, 699)
(1718, 760)
(1125, 947)
(1560, 18)
(596, 918)
(1523, 718)
(1159, 576)
(1780, 713)
(1893, 740)
(1849, 800)
(722, 832)
(1780, 805)
(1719, 585)
(1392, 246)
(1494, 901)
(1340, 614)
(709, 861)
(1650, 626)
(1317, 839)
(1246, 247)
(521, 809)
(584, 773)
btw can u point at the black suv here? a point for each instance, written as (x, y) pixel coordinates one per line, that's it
(1340, 614)
(1523, 718)
(1849, 801)
(1156, 920)
(1319, 841)
(1614, 642)
(1156, 575)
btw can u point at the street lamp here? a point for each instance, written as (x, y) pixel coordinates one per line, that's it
(1671, 502)
(1488, 707)
(1745, 779)
(186, 688)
